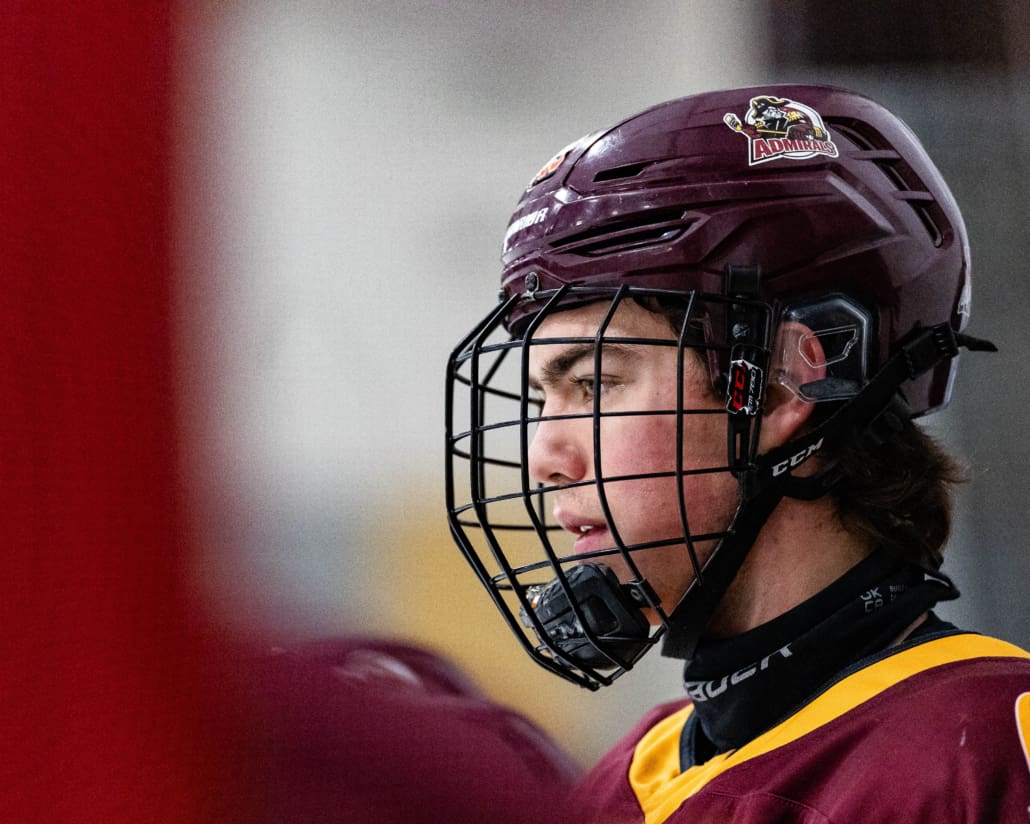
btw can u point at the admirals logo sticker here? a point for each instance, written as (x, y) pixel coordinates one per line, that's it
(777, 128)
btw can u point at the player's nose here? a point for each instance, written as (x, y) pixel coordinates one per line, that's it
(557, 453)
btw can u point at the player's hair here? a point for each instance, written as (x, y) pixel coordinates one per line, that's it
(898, 494)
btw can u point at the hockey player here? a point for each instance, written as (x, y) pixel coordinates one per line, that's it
(691, 422)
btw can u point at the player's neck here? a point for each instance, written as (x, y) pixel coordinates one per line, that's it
(800, 551)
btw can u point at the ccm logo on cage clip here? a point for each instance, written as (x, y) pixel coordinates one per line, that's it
(794, 460)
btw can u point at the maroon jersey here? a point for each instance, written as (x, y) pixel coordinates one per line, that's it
(935, 732)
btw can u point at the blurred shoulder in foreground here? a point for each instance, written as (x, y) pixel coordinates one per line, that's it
(358, 729)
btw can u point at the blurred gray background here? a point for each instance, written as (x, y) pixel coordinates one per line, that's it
(347, 173)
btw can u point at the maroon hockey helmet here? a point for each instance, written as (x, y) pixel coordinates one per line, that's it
(823, 188)
(749, 207)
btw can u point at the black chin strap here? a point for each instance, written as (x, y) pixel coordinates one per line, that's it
(877, 412)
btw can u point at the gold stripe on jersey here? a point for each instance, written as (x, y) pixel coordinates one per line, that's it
(1023, 724)
(654, 772)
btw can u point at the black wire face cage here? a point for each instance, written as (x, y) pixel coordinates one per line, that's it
(570, 611)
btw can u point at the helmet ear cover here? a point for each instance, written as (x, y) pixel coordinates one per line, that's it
(822, 349)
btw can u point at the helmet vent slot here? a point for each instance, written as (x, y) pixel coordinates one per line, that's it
(890, 171)
(846, 128)
(644, 229)
(621, 172)
(930, 214)
(909, 187)
(913, 191)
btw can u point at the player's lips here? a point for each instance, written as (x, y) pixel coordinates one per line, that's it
(591, 534)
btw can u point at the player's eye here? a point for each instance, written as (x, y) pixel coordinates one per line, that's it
(586, 385)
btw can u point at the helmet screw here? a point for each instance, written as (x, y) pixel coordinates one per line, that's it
(741, 330)
(532, 283)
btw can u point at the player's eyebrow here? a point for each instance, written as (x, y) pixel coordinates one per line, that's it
(552, 371)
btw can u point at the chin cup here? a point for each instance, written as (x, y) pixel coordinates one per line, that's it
(617, 632)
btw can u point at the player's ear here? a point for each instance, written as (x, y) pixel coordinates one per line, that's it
(798, 359)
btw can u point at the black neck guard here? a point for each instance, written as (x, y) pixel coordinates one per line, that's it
(744, 685)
